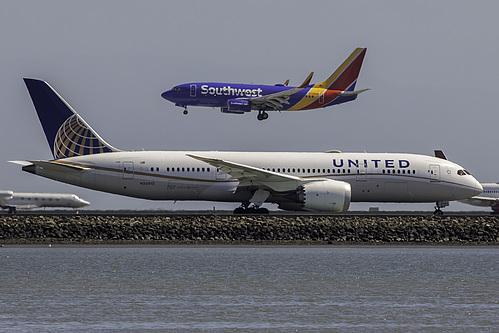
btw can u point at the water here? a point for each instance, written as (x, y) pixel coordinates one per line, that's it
(249, 289)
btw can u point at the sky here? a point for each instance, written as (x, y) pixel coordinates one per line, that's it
(430, 65)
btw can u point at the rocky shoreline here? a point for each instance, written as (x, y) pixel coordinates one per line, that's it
(251, 230)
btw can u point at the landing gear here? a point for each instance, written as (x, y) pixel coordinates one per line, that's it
(244, 210)
(185, 110)
(262, 115)
(438, 205)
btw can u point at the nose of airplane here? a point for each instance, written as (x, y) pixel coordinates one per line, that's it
(83, 203)
(478, 187)
(167, 95)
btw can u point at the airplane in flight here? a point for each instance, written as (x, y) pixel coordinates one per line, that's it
(488, 198)
(25, 200)
(241, 98)
(321, 181)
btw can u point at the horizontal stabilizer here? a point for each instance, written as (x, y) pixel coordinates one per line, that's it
(56, 166)
(23, 163)
(352, 93)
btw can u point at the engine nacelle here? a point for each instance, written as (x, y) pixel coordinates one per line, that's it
(321, 195)
(237, 106)
(6, 195)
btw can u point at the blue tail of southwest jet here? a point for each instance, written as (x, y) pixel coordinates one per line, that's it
(67, 133)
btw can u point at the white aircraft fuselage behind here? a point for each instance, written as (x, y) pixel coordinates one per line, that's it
(29, 200)
(488, 198)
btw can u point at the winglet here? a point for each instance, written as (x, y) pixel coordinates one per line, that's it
(307, 81)
(286, 83)
(345, 77)
(440, 154)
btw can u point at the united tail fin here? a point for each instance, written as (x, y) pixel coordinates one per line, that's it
(67, 133)
(345, 77)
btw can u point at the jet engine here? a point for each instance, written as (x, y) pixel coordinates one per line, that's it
(321, 195)
(237, 106)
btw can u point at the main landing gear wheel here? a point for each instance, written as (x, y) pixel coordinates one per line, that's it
(438, 212)
(185, 111)
(262, 115)
(250, 210)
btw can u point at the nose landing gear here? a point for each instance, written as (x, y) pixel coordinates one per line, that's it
(438, 205)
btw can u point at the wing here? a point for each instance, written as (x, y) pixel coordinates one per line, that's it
(275, 101)
(251, 176)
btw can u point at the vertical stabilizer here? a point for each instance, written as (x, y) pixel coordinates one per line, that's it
(66, 132)
(345, 77)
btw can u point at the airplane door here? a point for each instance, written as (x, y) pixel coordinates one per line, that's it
(361, 173)
(321, 98)
(128, 170)
(193, 90)
(434, 172)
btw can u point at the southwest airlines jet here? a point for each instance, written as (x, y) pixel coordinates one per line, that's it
(240, 98)
(323, 181)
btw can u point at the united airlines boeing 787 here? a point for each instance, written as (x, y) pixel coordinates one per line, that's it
(240, 98)
(323, 181)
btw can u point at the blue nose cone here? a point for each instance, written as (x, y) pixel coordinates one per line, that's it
(167, 95)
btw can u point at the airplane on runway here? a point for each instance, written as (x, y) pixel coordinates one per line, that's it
(322, 181)
(488, 198)
(240, 98)
(25, 200)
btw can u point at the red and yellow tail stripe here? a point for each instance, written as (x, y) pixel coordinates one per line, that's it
(342, 79)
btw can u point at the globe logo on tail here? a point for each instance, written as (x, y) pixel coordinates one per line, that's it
(76, 138)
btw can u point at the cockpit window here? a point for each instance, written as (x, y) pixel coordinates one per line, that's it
(463, 172)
